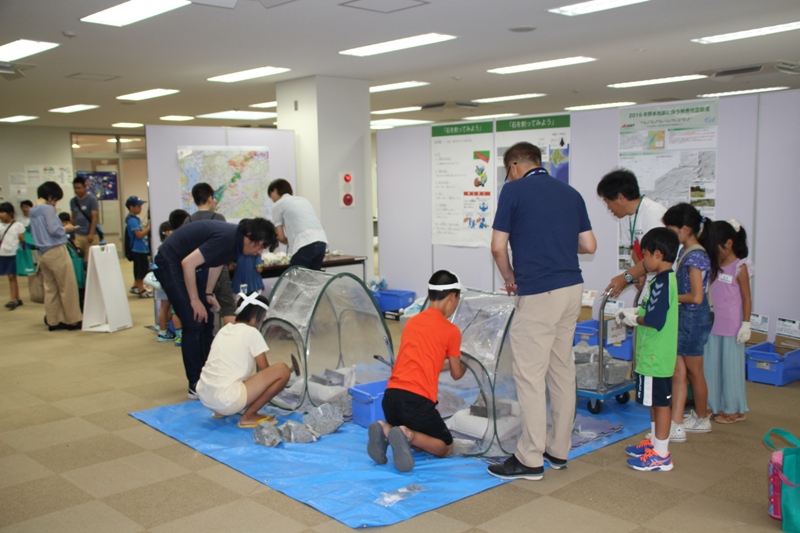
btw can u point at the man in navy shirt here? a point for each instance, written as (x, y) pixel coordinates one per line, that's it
(188, 265)
(546, 223)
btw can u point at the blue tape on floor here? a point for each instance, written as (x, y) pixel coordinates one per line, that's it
(336, 476)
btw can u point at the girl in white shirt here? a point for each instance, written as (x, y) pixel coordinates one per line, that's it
(11, 233)
(227, 384)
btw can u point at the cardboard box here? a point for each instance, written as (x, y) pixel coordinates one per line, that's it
(784, 345)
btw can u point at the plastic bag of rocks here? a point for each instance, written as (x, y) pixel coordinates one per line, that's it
(586, 376)
(583, 353)
(615, 371)
(323, 420)
(294, 432)
(343, 403)
(266, 434)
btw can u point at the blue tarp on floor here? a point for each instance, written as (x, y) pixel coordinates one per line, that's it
(336, 476)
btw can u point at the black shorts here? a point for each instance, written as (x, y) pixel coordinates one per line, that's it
(404, 408)
(141, 265)
(653, 392)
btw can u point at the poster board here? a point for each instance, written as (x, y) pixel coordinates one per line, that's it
(105, 308)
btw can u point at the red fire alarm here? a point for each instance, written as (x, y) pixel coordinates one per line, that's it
(346, 189)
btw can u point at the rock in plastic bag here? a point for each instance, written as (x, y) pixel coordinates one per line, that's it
(293, 432)
(324, 419)
(388, 499)
(266, 434)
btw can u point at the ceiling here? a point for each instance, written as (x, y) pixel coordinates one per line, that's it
(184, 47)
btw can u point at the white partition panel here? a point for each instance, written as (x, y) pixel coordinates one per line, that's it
(473, 266)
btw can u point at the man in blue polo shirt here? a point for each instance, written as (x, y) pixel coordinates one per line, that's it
(546, 223)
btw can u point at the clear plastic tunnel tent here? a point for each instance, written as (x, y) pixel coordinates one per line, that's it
(334, 326)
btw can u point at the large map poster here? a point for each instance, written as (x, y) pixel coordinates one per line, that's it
(239, 176)
(462, 184)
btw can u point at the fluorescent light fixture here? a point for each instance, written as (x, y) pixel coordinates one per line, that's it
(249, 74)
(265, 105)
(598, 106)
(658, 81)
(397, 86)
(397, 110)
(18, 118)
(397, 44)
(74, 108)
(398, 122)
(133, 11)
(746, 34)
(748, 91)
(121, 140)
(177, 118)
(240, 115)
(23, 48)
(76, 145)
(380, 127)
(591, 7)
(488, 117)
(507, 98)
(552, 63)
(127, 125)
(146, 95)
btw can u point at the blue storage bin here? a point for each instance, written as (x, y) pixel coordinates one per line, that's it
(766, 366)
(367, 402)
(588, 331)
(393, 300)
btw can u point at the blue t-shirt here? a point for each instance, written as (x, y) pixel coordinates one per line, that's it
(140, 246)
(219, 242)
(699, 260)
(543, 217)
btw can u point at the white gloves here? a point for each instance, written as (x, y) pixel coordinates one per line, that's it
(628, 316)
(744, 333)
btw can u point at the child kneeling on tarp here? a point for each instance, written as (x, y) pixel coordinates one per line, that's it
(227, 384)
(430, 344)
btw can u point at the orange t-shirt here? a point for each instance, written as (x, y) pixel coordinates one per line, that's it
(427, 340)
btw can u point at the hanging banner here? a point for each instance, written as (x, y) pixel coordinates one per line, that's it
(462, 184)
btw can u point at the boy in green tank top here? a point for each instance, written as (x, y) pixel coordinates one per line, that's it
(656, 323)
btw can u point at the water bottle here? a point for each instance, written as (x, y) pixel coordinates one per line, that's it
(243, 288)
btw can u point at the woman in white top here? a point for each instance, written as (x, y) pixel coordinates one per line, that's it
(297, 226)
(227, 384)
(11, 233)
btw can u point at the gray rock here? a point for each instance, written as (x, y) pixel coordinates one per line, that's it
(343, 402)
(324, 419)
(293, 432)
(266, 434)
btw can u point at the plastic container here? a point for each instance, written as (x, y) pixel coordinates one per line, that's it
(367, 402)
(766, 366)
(587, 331)
(393, 300)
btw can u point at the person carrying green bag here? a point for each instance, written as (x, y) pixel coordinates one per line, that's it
(11, 233)
(784, 481)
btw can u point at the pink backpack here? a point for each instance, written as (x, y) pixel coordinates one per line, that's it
(776, 476)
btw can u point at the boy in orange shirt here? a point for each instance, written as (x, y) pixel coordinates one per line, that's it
(430, 344)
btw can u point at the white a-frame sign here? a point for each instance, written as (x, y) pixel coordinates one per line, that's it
(106, 305)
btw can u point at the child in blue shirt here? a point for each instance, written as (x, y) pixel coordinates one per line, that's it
(140, 243)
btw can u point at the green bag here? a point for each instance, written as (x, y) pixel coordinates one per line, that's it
(25, 266)
(77, 266)
(784, 481)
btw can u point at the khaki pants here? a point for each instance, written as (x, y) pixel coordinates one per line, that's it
(61, 304)
(541, 339)
(82, 242)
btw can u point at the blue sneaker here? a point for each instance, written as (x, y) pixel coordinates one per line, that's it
(178, 339)
(167, 336)
(639, 449)
(651, 461)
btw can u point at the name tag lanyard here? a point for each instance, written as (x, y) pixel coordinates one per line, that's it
(632, 227)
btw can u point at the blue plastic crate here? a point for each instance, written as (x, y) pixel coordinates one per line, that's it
(588, 331)
(766, 366)
(394, 300)
(367, 402)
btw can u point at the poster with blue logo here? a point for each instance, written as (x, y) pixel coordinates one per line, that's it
(101, 185)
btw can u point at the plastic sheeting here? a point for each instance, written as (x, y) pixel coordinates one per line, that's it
(336, 476)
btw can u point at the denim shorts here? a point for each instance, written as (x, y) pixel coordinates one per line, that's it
(694, 327)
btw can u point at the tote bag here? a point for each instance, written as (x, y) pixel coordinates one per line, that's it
(36, 287)
(784, 481)
(25, 266)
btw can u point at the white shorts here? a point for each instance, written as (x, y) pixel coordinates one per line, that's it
(213, 403)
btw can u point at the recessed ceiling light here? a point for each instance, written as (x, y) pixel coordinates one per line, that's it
(23, 48)
(496, 115)
(265, 105)
(127, 125)
(240, 115)
(18, 118)
(746, 34)
(748, 91)
(658, 81)
(507, 98)
(398, 122)
(553, 63)
(598, 106)
(249, 74)
(73, 108)
(133, 11)
(177, 118)
(397, 110)
(146, 95)
(397, 44)
(397, 86)
(591, 7)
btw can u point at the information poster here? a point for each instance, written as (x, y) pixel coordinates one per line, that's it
(101, 185)
(38, 174)
(672, 150)
(462, 184)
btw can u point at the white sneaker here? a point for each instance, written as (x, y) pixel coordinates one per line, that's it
(677, 433)
(695, 424)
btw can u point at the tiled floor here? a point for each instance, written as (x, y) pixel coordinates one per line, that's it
(71, 459)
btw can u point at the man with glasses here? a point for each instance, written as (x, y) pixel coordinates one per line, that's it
(546, 223)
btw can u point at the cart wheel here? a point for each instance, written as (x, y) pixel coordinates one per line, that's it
(594, 406)
(624, 397)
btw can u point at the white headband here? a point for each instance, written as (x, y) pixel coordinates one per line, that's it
(251, 298)
(457, 286)
(735, 223)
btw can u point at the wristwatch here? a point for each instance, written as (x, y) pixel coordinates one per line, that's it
(628, 277)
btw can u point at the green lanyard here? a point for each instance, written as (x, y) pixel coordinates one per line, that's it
(632, 227)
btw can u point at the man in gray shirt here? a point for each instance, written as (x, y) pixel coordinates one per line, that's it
(85, 213)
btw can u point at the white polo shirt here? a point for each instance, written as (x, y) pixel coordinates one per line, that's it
(299, 220)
